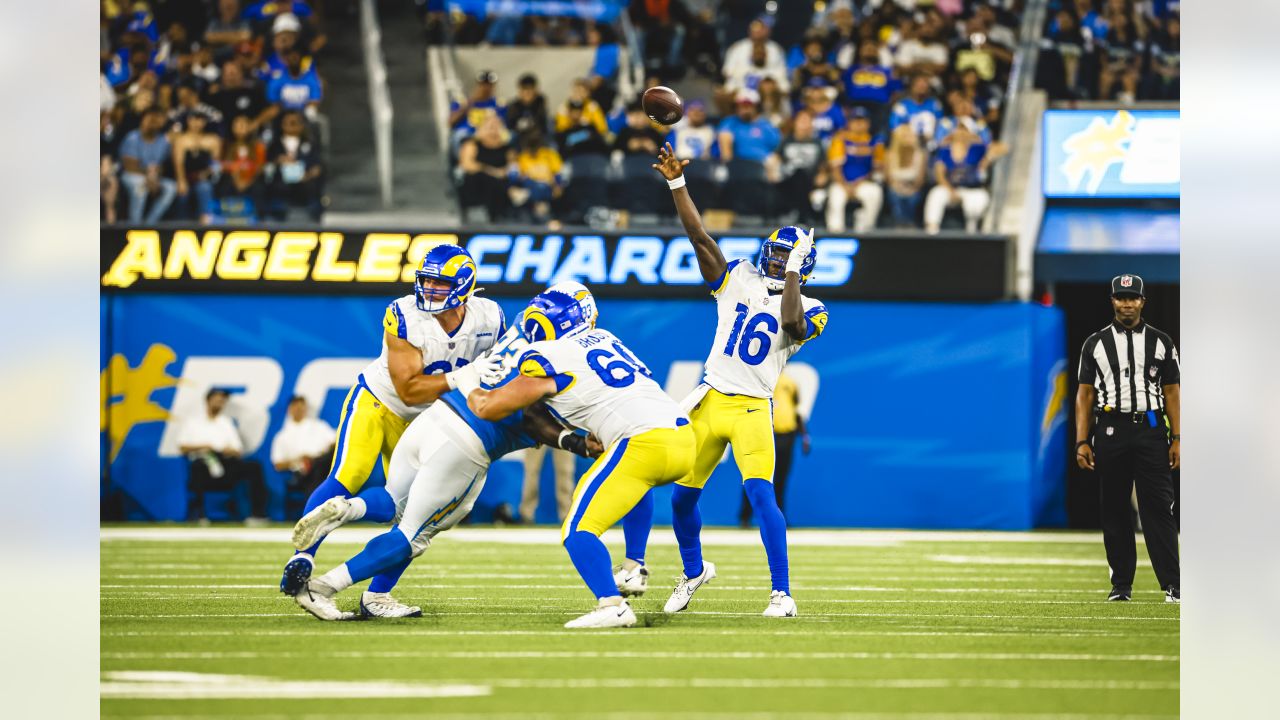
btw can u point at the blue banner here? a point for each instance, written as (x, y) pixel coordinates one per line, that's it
(597, 10)
(922, 415)
(1112, 154)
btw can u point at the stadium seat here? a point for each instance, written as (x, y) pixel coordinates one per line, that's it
(640, 191)
(703, 188)
(588, 186)
(747, 192)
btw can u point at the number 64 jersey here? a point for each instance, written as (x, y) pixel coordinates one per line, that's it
(601, 386)
(751, 348)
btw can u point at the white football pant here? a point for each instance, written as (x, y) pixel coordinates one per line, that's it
(435, 475)
(973, 201)
(869, 195)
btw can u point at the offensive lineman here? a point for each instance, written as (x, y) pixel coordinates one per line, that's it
(589, 378)
(436, 473)
(762, 321)
(429, 337)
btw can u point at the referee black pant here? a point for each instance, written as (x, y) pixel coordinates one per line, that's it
(1131, 453)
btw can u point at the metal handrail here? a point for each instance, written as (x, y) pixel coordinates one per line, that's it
(1022, 76)
(379, 97)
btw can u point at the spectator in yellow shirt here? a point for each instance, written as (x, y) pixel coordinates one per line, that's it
(538, 166)
(787, 424)
(592, 114)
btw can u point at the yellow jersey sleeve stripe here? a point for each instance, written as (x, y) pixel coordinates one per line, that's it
(719, 285)
(393, 322)
(815, 322)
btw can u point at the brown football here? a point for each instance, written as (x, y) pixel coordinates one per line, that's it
(663, 105)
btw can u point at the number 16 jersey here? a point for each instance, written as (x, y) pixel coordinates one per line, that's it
(601, 386)
(750, 347)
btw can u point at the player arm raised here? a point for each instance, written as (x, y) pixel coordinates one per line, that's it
(793, 321)
(710, 260)
(543, 427)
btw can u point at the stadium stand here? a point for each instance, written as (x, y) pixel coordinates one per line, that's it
(210, 111)
(1111, 50)
(942, 70)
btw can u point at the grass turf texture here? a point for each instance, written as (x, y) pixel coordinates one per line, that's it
(894, 625)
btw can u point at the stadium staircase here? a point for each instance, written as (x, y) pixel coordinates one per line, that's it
(418, 167)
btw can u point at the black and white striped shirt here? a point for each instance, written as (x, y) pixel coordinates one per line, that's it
(1129, 368)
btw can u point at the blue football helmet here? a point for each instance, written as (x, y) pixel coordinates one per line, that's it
(448, 264)
(579, 292)
(772, 262)
(552, 315)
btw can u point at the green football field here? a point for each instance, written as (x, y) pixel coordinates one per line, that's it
(892, 625)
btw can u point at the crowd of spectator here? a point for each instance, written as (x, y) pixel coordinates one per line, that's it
(873, 113)
(209, 111)
(1111, 50)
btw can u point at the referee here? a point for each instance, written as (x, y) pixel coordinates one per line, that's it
(1129, 385)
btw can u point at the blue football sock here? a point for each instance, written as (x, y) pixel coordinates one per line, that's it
(386, 580)
(773, 530)
(379, 507)
(591, 559)
(687, 523)
(635, 527)
(330, 488)
(388, 550)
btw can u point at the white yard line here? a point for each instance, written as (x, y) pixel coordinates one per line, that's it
(201, 686)
(400, 631)
(684, 715)
(551, 536)
(193, 686)
(636, 655)
(818, 617)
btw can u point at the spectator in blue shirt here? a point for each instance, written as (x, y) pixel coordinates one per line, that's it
(143, 156)
(870, 85)
(297, 88)
(264, 15)
(963, 114)
(918, 108)
(465, 118)
(959, 173)
(746, 135)
(827, 117)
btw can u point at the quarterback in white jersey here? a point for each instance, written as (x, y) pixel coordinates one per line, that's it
(588, 377)
(762, 320)
(430, 339)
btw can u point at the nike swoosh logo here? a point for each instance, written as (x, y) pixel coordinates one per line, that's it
(753, 410)
(622, 612)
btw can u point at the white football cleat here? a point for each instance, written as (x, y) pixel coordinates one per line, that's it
(317, 599)
(329, 516)
(605, 616)
(683, 593)
(780, 605)
(631, 583)
(382, 605)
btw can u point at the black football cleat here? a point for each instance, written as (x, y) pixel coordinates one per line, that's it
(296, 574)
(1171, 595)
(1120, 593)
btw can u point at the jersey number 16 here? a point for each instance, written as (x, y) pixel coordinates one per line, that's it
(751, 332)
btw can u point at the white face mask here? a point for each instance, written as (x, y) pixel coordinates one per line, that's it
(291, 143)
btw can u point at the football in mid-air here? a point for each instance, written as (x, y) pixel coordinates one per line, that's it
(663, 105)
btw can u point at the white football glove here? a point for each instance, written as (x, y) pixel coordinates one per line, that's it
(492, 368)
(464, 379)
(801, 251)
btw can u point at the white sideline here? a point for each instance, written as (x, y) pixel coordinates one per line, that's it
(185, 685)
(551, 536)
(205, 686)
(635, 655)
